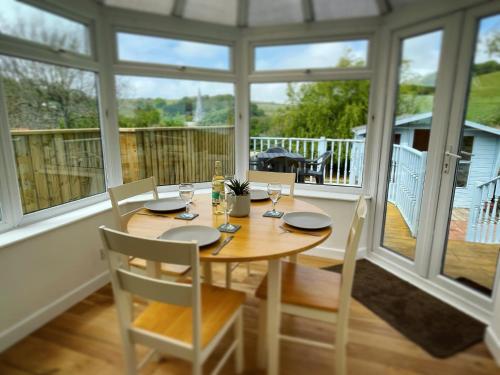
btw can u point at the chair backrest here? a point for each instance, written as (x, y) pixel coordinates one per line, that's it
(125, 191)
(119, 245)
(351, 251)
(323, 160)
(273, 177)
(275, 150)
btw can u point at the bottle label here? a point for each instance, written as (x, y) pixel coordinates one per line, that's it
(215, 195)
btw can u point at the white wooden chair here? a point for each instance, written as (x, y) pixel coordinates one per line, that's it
(287, 179)
(185, 320)
(318, 294)
(120, 193)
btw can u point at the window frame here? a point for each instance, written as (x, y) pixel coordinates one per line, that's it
(177, 37)
(303, 41)
(25, 49)
(322, 74)
(81, 16)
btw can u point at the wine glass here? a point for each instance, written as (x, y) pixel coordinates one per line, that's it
(274, 193)
(227, 199)
(186, 192)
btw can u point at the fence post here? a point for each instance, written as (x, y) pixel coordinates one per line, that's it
(472, 222)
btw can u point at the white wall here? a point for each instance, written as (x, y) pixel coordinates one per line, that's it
(492, 337)
(44, 275)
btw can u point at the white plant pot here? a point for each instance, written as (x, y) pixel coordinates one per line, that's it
(241, 206)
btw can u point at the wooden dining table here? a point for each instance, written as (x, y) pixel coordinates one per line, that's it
(259, 238)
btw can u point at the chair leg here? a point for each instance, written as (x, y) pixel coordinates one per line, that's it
(129, 356)
(238, 333)
(262, 336)
(207, 272)
(341, 350)
(228, 275)
(249, 271)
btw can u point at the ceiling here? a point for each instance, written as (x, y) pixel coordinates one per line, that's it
(262, 12)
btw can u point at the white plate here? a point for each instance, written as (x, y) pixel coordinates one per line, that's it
(201, 233)
(307, 220)
(165, 205)
(258, 195)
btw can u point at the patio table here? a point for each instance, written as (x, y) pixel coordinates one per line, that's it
(263, 157)
(259, 238)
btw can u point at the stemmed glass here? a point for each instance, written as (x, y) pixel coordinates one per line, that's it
(227, 199)
(186, 192)
(274, 192)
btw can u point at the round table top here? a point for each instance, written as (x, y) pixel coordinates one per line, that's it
(259, 238)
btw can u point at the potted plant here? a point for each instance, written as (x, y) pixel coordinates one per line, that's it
(241, 190)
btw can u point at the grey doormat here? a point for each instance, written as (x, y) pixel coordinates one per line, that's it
(438, 328)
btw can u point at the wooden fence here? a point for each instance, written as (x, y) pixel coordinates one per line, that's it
(61, 165)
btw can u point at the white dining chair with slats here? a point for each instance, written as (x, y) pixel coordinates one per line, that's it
(123, 192)
(318, 294)
(185, 320)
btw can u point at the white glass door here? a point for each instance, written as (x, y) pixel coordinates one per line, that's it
(466, 248)
(415, 125)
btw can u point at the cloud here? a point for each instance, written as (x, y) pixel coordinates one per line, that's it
(423, 52)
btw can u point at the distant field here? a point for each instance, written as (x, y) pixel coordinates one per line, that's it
(484, 102)
(268, 107)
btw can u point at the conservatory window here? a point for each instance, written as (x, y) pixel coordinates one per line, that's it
(316, 129)
(24, 21)
(338, 54)
(54, 125)
(158, 50)
(174, 129)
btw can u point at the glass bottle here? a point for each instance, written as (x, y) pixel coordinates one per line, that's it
(217, 187)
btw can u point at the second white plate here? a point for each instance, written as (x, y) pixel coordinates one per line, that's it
(258, 195)
(202, 234)
(307, 220)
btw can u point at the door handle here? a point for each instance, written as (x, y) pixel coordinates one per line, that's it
(447, 159)
(451, 154)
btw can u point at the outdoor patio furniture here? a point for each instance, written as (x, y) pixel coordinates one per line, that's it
(264, 157)
(315, 168)
(276, 150)
(283, 164)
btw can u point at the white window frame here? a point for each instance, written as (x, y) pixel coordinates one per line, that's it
(337, 32)
(24, 49)
(149, 25)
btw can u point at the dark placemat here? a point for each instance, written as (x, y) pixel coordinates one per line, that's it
(437, 327)
(270, 214)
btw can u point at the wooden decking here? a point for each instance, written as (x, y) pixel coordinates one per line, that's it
(474, 261)
(85, 340)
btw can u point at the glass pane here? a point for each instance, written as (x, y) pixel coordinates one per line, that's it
(345, 54)
(175, 129)
(54, 123)
(473, 244)
(27, 22)
(418, 69)
(156, 50)
(316, 129)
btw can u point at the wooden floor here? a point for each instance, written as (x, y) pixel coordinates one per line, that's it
(84, 340)
(474, 261)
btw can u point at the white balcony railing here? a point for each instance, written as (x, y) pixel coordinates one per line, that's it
(484, 217)
(345, 166)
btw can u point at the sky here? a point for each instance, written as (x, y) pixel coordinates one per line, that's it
(311, 55)
(486, 27)
(151, 49)
(13, 14)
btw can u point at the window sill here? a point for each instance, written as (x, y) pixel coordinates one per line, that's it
(28, 231)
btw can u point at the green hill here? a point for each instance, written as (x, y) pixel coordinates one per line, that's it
(484, 99)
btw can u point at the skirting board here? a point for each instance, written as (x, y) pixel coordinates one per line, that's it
(493, 343)
(333, 253)
(34, 321)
